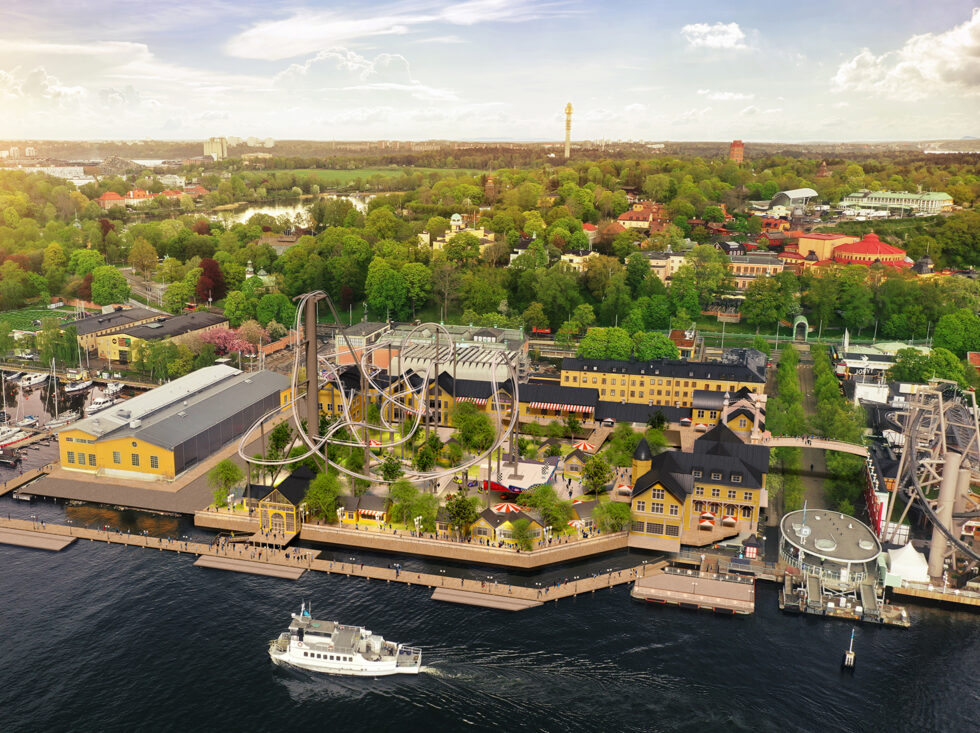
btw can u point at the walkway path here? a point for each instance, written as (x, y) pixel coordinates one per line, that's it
(301, 558)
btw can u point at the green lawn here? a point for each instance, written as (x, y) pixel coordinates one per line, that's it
(23, 319)
(329, 178)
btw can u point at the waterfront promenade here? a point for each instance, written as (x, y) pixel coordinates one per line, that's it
(475, 592)
(401, 541)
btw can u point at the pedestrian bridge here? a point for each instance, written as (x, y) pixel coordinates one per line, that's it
(822, 443)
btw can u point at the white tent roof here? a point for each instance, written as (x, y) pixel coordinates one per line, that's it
(909, 564)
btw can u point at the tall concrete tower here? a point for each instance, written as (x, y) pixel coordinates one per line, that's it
(568, 130)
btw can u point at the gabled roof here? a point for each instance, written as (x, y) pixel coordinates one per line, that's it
(559, 394)
(294, 486)
(577, 454)
(671, 471)
(642, 452)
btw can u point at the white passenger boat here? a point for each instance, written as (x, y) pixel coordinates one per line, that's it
(28, 422)
(99, 403)
(33, 380)
(332, 648)
(76, 387)
(112, 389)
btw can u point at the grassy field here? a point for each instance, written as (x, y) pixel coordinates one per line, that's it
(343, 177)
(23, 319)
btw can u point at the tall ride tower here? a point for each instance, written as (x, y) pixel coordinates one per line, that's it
(568, 130)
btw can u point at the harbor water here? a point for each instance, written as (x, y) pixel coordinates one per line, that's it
(111, 638)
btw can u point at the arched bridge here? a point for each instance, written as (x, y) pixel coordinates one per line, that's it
(822, 443)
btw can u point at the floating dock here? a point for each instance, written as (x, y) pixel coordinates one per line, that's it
(238, 565)
(697, 591)
(472, 598)
(37, 540)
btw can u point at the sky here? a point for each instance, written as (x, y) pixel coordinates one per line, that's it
(490, 69)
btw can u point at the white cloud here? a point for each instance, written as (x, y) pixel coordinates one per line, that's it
(725, 96)
(308, 31)
(928, 64)
(440, 39)
(719, 35)
(696, 114)
(753, 111)
(415, 88)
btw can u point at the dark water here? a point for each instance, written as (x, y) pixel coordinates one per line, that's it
(109, 638)
(40, 401)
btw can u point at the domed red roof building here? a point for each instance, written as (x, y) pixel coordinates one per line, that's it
(869, 250)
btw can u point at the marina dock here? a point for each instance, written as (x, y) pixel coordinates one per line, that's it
(39, 540)
(696, 590)
(249, 566)
(293, 561)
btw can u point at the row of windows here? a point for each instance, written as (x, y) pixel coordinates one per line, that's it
(729, 509)
(735, 478)
(330, 657)
(116, 459)
(658, 508)
(667, 530)
(79, 440)
(687, 383)
(81, 458)
(716, 493)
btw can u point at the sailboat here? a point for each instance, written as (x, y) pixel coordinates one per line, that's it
(66, 417)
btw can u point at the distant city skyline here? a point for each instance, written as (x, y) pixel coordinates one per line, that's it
(490, 70)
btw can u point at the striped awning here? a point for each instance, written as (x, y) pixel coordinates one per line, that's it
(474, 400)
(559, 406)
(372, 513)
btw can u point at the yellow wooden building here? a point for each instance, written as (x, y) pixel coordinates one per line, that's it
(122, 345)
(697, 498)
(497, 528)
(282, 510)
(660, 382)
(161, 433)
(367, 510)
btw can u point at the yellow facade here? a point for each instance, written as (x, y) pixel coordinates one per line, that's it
(79, 451)
(90, 341)
(277, 514)
(481, 529)
(657, 513)
(648, 389)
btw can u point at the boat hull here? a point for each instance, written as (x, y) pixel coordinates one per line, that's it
(376, 669)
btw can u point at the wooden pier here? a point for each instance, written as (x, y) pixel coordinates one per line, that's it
(238, 565)
(696, 590)
(39, 540)
(249, 559)
(25, 478)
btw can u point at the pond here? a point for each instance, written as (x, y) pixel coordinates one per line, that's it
(295, 210)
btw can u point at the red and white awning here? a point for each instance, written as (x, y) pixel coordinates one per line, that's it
(729, 521)
(583, 446)
(700, 426)
(376, 514)
(475, 400)
(707, 515)
(624, 489)
(560, 406)
(705, 524)
(577, 523)
(374, 443)
(506, 507)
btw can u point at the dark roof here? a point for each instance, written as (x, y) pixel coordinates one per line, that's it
(584, 508)
(708, 399)
(495, 520)
(102, 321)
(642, 452)
(666, 368)
(294, 486)
(719, 451)
(177, 325)
(578, 454)
(741, 412)
(885, 461)
(557, 394)
(670, 470)
(371, 502)
(629, 412)
(363, 328)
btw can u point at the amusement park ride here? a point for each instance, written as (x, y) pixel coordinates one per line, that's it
(940, 460)
(394, 392)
